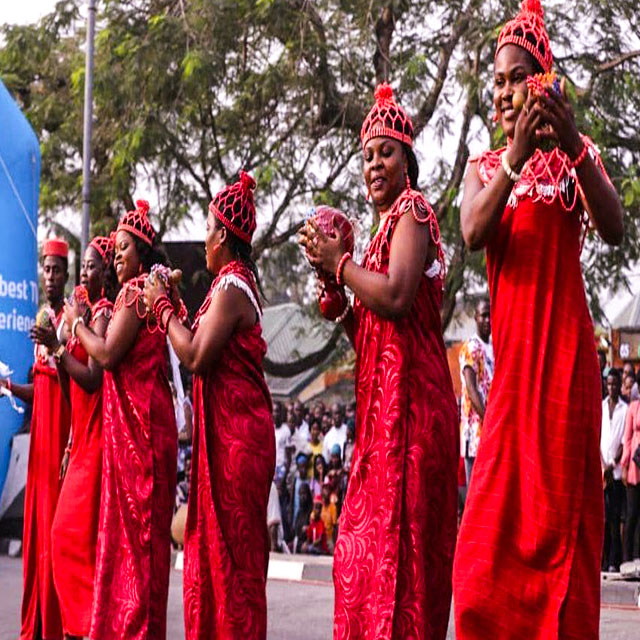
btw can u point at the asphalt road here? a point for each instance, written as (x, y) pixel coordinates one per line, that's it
(296, 609)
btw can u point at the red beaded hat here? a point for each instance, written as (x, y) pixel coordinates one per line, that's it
(105, 246)
(386, 119)
(136, 222)
(55, 247)
(234, 207)
(527, 30)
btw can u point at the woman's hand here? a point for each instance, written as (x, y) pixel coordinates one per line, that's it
(556, 110)
(525, 138)
(45, 336)
(71, 313)
(153, 289)
(323, 250)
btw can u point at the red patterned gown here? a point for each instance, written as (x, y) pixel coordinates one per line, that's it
(49, 434)
(394, 553)
(75, 525)
(528, 556)
(226, 538)
(138, 490)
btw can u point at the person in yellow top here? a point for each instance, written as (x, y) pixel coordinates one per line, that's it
(329, 516)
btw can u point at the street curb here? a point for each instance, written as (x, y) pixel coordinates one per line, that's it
(615, 590)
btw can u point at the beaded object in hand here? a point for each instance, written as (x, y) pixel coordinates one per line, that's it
(541, 83)
(332, 298)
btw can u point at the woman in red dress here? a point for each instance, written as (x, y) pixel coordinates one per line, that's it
(49, 433)
(74, 531)
(226, 538)
(140, 450)
(394, 552)
(528, 557)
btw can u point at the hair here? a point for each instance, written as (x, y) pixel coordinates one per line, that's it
(615, 373)
(242, 251)
(412, 165)
(150, 254)
(324, 465)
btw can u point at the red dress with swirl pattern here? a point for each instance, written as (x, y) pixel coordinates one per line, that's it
(394, 553)
(74, 533)
(226, 539)
(528, 556)
(49, 433)
(139, 469)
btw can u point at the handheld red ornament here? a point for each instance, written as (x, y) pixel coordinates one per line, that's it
(332, 298)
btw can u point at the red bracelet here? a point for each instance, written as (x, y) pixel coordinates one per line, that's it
(343, 261)
(161, 305)
(165, 325)
(9, 385)
(581, 156)
(183, 314)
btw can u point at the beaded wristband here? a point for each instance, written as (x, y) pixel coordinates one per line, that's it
(581, 156)
(343, 261)
(183, 314)
(511, 174)
(74, 326)
(165, 325)
(344, 314)
(161, 305)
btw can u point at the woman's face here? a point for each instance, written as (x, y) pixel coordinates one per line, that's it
(385, 171)
(126, 261)
(213, 241)
(92, 273)
(319, 467)
(512, 66)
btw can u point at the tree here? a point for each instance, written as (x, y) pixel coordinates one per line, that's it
(187, 93)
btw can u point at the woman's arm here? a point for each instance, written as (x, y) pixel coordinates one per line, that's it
(108, 351)
(89, 376)
(390, 295)
(600, 199)
(230, 309)
(23, 392)
(482, 207)
(628, 436)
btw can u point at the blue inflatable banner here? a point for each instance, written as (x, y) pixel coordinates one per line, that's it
(19, 188)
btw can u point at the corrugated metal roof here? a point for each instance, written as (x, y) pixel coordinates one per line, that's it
(629, 317)
(292, 334)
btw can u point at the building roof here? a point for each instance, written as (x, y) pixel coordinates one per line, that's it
(291, 334)
(629, 317)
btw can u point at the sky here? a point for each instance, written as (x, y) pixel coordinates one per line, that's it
(29, 11)
(24, 12)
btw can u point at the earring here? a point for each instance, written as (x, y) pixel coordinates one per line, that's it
(495, 117)
(408, 182)
(368, 194)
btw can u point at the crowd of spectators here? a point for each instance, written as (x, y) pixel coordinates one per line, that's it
(620, 459)
(314, 447)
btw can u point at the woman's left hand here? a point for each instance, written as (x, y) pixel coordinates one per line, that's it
(153, 289)
(323, 250)
(70, 313)
(558, 113)
(45, 336)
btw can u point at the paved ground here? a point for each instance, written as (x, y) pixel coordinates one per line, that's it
(295, 609)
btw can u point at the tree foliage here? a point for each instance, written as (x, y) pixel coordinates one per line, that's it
(187, 93)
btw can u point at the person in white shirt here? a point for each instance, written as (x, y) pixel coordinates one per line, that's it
(614, 412)
(302, 426)
(337, 434)
(283, 435)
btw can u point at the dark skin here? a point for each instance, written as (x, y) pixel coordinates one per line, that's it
(230, 309)
(390, 295)
(109, 350)
(549, 117)
(54, 276)
(483, 325)
(89, 376)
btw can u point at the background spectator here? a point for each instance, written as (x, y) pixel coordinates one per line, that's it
(316, 542)
(338, 432)
(329, 516)
(631, 472)
(614, 411)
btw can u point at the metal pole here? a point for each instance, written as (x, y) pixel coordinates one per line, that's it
(88, 126)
